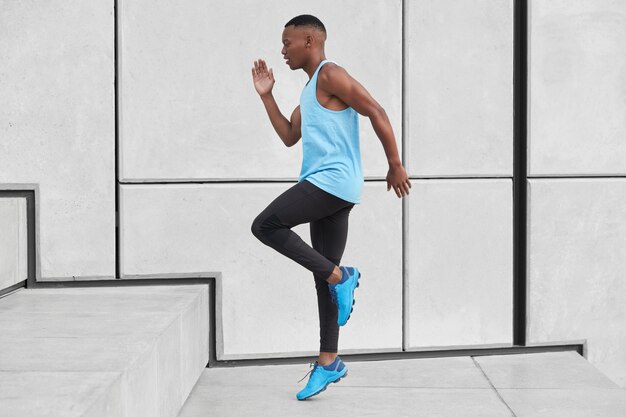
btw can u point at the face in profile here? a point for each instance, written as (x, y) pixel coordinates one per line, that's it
(294, 50)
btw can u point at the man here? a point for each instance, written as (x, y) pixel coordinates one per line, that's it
(330, 182)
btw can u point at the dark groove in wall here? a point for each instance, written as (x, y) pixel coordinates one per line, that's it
(117, 140)
(8, 290)
(386, 356)
(370, 179)
(520, 87)
(405, 202)
(31, 233)
(212, 324)
(293, 180)
(404, 122)
(564, 176)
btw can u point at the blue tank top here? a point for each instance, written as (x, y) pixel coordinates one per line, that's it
(330, 146)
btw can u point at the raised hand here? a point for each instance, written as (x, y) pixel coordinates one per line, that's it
(262, 77)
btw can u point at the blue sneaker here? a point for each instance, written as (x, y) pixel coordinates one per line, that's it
(342, 293)
(321, 377)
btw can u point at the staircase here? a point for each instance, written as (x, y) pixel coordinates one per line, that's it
(127, 351)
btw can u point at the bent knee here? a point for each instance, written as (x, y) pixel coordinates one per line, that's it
(257, 228)
(263, 226)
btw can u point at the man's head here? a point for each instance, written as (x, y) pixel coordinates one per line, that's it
(303, 37)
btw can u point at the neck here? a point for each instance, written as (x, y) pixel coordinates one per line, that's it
(313, 63)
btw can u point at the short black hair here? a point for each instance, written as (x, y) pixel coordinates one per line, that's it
(307, 20)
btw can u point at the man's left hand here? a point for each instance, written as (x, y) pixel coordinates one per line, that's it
(399, 180)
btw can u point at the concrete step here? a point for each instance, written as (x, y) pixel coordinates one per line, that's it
(105, 351)
(555, 384)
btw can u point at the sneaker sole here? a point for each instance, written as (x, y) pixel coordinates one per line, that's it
(325, 386)
(353, 299)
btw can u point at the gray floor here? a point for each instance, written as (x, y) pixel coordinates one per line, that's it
(538, 384)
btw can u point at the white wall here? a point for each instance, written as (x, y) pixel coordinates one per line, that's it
(188, 112)
(577, 238)
(57, 127)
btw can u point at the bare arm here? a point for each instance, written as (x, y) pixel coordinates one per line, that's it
(288, 130)
(336, 81)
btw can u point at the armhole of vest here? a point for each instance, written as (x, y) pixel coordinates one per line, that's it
(317, 76)
(315, 91)
(321, 66)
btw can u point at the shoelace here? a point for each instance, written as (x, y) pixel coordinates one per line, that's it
(311, 364)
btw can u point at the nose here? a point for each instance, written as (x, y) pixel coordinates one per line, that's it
(282, 51)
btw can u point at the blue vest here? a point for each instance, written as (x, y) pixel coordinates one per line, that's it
(330, 146)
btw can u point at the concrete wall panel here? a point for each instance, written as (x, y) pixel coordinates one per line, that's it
(57, 127)
(191, 228)
(577, 247)
(577, 87)
(460, 263)
(188, 106)
(459, 87)
(13, 242)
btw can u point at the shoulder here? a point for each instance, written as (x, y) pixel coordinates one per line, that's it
(331, 73)
(331, 70)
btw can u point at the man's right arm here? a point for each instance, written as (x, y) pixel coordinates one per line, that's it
(288, 130)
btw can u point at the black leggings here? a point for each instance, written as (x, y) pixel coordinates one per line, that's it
(328, 218)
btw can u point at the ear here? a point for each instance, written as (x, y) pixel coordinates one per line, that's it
(308, 42)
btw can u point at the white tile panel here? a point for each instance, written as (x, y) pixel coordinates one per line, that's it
(576, 268)
(188, 106)
(459, 87)
(577, 87)
(460, 270)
